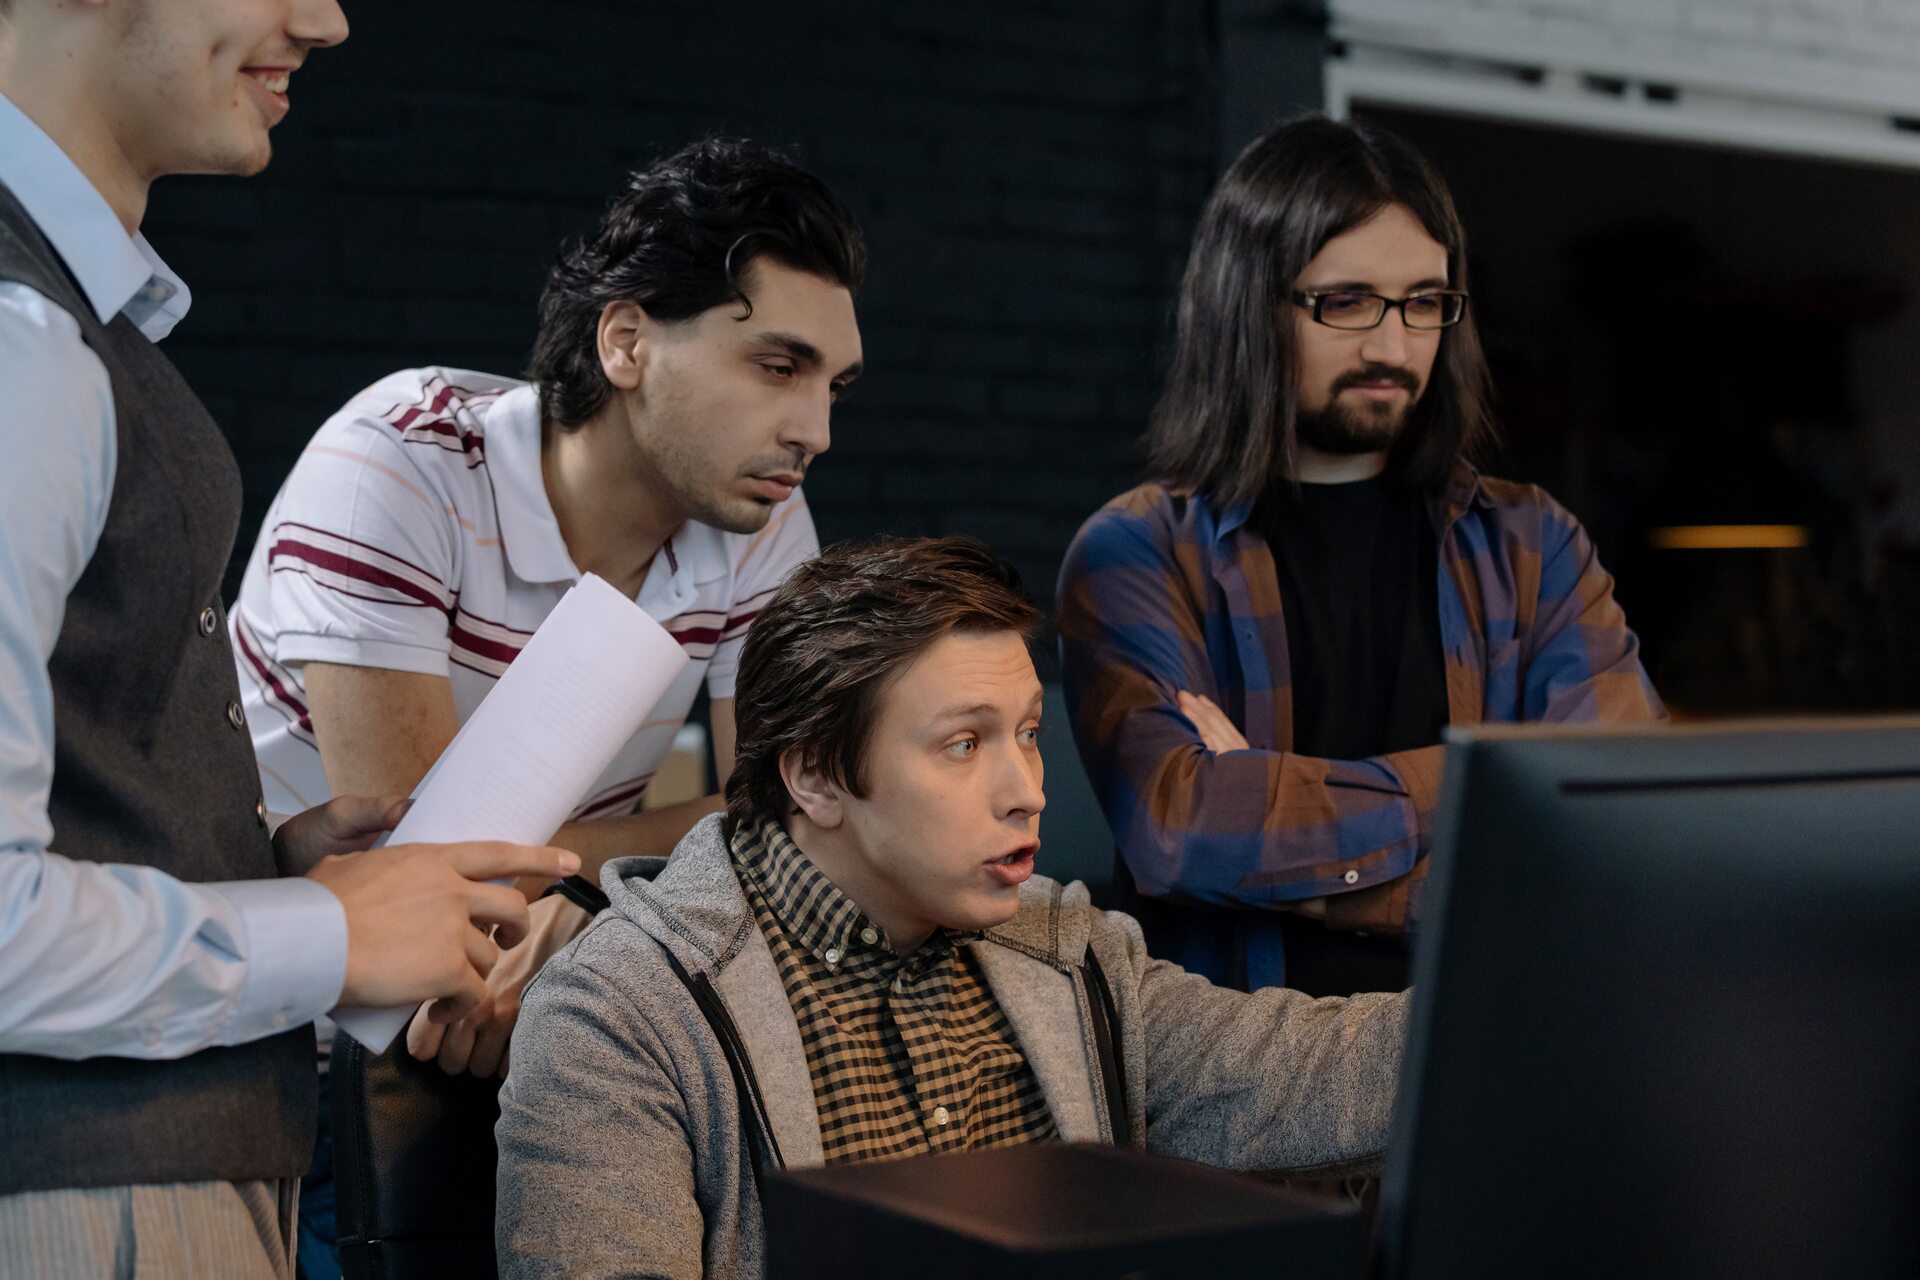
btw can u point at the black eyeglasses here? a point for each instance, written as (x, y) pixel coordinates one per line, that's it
(1346, 309)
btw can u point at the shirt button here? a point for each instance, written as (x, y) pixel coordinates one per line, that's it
(208, 620)
(260, 811)
(940, 1116)
(1352, 877)
(235, 716)
(833, 957)
(869, 935)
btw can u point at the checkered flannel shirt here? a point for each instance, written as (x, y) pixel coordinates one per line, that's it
(1162, 591)
(908, 1054)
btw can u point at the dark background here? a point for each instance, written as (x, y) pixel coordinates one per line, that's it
(1667, 347)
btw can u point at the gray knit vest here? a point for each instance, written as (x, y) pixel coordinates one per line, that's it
(149, 769)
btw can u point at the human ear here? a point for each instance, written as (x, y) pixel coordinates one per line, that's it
(817, 795)
(622, 341)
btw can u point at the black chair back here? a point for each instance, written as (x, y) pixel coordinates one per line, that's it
(413, 1165)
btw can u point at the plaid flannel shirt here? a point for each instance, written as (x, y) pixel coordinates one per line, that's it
(908, 1054)
(1161, 592)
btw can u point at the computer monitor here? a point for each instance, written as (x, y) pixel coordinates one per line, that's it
(1666, 1016)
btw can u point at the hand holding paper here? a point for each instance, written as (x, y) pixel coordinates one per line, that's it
(577, 692)
(417, 916)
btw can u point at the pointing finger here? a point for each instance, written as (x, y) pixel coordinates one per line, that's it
(497, 860)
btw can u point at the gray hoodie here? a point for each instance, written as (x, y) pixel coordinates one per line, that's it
(621, 1150)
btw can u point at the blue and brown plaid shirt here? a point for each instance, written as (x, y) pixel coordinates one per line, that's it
(1162, 592)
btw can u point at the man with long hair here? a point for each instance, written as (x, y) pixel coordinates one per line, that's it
(1263, 645)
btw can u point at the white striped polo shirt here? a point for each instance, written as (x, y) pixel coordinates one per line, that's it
(415, 534)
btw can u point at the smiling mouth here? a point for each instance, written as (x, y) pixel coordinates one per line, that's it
(273, 80)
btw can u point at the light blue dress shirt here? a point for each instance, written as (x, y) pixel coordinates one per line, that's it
(96, 958)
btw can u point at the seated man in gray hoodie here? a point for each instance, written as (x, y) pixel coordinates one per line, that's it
(857, 962)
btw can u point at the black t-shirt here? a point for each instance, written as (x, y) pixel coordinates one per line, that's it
(1359, 586)
(1359, 568)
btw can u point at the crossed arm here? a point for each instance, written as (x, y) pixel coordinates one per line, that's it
(1202, 819)
(1197, 816)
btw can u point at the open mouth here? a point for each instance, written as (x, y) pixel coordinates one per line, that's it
(271, 85)
(1016, 867)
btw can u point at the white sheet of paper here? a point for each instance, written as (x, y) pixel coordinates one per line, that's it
(581, 687)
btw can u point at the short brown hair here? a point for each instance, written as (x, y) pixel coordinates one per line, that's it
(833, 636)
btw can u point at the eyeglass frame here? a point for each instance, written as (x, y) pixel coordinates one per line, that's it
(1310, 300)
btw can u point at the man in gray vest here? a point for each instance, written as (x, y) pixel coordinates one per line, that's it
(156, 978)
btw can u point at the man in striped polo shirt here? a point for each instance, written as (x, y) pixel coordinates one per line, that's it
(689, 354)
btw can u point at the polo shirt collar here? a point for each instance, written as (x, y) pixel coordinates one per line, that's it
(117, 272)
(529, 531)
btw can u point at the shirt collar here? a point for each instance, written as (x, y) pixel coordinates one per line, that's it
(813, 909)
(1464, 490)
(528, 528)
(117, 272)
(531, 532)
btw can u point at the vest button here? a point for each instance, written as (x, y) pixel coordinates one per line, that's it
(235, 716)
(208, 620)
(260, 812)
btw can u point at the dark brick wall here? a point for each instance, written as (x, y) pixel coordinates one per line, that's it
(1027, 172)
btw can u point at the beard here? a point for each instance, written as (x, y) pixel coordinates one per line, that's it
(1344, 430)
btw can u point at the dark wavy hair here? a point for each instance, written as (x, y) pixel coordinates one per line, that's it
(678, 240)
(834, 635)
(1224, 423)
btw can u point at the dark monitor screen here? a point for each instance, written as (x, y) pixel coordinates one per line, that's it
(1666, 1015)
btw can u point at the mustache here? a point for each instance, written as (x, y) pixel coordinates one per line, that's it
(795, 461)
(1377, 373)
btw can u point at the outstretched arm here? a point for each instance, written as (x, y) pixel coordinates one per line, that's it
(1271, 1079)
